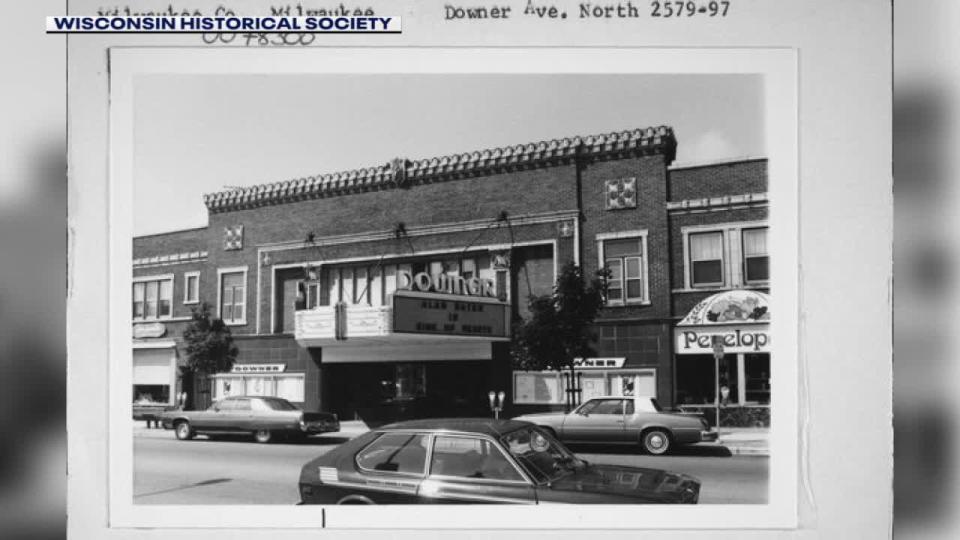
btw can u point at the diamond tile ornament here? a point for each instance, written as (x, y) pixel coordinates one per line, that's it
(233, 238)
(621, 193)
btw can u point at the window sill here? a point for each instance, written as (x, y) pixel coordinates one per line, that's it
(190, 302)
(158, 319)
(639, 303)
(721, 288)
(235, 323)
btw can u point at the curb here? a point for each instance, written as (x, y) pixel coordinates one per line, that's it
(748, 451)
(746, 448)
(153, 433)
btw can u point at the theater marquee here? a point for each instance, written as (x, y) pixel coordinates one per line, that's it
(450, 315)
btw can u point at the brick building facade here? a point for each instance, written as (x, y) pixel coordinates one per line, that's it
(388, 292)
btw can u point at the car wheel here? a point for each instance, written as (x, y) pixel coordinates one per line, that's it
(183, 431)
(263, 435)
(656, 441)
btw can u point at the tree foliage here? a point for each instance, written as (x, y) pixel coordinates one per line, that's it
(208, 343)
(560, 325)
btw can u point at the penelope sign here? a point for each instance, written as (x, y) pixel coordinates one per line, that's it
(735, 339)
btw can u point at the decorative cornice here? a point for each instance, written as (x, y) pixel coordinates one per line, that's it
(713, 203)
(173, 258)
(404, 173)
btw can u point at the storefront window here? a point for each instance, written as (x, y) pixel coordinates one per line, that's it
(549, 387)
(149, 394)
(757, 373)
(696, 379)
(411, 381)
(361, 286)
(288, 387)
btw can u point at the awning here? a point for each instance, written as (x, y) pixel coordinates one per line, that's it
(730, 307)
(154, 366)
(738, 320)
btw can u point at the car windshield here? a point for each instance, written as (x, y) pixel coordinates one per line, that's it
(543, 457)
(280, 404)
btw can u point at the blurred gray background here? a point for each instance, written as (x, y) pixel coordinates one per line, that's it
(33, 242)
(33, 263)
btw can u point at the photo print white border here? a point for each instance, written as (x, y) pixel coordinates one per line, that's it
(779, 70)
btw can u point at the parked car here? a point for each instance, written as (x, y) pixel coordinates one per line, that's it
(477, 460)
(263, 417)
(625, 420)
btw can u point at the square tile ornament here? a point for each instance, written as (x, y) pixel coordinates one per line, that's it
(621, 193)
(233, 238)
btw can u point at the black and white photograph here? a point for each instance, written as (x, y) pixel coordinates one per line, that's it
(452, 288)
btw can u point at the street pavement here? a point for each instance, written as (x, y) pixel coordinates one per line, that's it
(168, 471)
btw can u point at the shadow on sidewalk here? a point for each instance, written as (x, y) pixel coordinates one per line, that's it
(690, 450)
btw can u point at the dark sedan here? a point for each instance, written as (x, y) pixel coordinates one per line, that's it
(470, 461)
(262, 417)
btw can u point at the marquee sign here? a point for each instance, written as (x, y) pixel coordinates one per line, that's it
(450, 315)
(446, 284)
(149, 330)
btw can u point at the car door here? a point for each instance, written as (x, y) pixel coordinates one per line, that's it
(392, 467)
(262, 416)
(212, 419)
(473, 470)
(240, 416)
(599, 420)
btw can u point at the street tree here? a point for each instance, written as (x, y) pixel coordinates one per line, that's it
(560, 326)
(208, 344)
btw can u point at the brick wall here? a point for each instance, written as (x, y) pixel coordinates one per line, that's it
(732, 178)
(650, 215)
(184, 241)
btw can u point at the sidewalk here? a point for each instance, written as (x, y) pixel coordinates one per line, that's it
(746, 441)
(348, 429)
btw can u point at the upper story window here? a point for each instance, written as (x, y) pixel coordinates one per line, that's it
(233, 296)
(706, 259)
(625, 257)
(726, 255)
(191, 287)
(756, 260)
(372, 283)
(152, 298)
